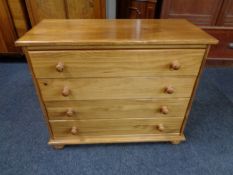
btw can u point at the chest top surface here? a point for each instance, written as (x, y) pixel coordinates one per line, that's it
(114, 32)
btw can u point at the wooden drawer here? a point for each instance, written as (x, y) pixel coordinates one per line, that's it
(115, 63)
(115, 88)
(222, 50)
(76, 128)
(115, 109)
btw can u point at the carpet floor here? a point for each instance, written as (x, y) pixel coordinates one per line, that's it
(23, 135)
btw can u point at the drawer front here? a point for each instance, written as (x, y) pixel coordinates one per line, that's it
(116, 109)
(115, 88)
(76, 128)
(222, 50)
(115, 63)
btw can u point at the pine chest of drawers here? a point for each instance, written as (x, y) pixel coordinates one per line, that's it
(111, 81)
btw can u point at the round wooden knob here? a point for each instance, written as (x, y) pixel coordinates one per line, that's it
(175, 65)
(160, 127)
(60, 66)
(65, 91)
(169, 90)
(164, 110)
(74, 130)
(70, 112)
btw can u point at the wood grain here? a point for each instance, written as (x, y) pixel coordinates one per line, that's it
(194, 90)
(115, 88)
(114, 127)
(19, 15)
(7, 33)
(199, 12)
(86, 9)
(121, 47)
(114, 32)
(115, 63)
(118, 139)
(115, 109)
(65, 9)
(44, 9)
(3, 47)
(38, 93)
(225, 17)
(104, 81)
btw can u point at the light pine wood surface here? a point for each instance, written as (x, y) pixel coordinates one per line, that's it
(173, 137)
(115, 47)
(116, 63)
(115, 109)
(115, 32)
(115, 127)
(115, 88)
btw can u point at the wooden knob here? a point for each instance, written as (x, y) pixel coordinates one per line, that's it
(175, 65)
(65, 91)
(164, 110)
(160, 127)
(231, 45)
(169, 90)
(60, 66)
(70, 112)
(74, 130)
